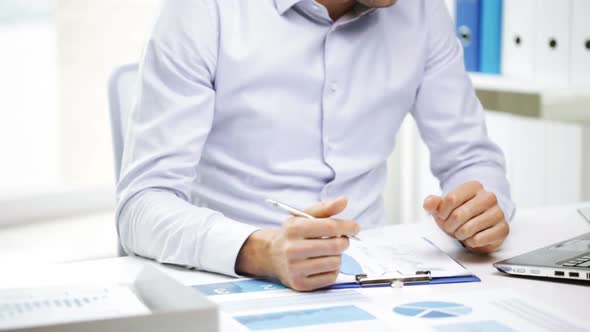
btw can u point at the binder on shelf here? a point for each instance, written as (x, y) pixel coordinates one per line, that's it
(580, 47)
(468, 31)
(491, 36)
(518, 53)
(552, 42)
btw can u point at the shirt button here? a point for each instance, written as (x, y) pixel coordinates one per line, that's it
(333, 87)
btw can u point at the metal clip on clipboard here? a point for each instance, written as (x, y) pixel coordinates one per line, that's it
(396, 282)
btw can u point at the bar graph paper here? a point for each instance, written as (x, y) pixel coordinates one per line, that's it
(46, 306)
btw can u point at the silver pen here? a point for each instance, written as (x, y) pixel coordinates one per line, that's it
(298, 213)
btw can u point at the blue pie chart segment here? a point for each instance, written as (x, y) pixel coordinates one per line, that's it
(350, 266)
(432, 309)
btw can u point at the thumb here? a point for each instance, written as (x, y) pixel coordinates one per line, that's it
(326, 209)
(432, 203)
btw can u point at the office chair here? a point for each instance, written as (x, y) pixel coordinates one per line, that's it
(122, 85)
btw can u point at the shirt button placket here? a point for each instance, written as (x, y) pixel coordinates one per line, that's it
(331, 88)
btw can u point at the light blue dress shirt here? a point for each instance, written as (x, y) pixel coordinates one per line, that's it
(243, 100)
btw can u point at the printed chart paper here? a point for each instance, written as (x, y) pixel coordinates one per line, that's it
(44, 306)
(484, 311)
(387, 254)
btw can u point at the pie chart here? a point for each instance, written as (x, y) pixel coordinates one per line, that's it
(350, 266)
(432, 309)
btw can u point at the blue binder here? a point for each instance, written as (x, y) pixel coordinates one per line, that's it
(491, 36)
(468, 31)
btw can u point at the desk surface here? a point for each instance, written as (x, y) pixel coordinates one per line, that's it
(531, 229)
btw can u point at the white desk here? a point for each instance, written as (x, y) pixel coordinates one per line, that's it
(531, 229)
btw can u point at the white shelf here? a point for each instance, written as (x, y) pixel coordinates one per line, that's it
(501, 83)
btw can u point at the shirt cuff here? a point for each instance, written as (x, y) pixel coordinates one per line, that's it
(506, 204)
(222, 244)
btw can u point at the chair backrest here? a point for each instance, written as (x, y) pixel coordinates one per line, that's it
(122, 87)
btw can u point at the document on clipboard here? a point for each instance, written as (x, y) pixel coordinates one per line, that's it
(383, 258)
(397, 260)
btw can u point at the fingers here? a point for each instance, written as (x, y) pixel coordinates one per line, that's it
(326, 209)
(471, 215)
(431, 204)
(322, 280)
(486, 249)
(314, 282)
(480, 223)
(314, 273)
(492, 237)
(318, 265)
(458, 197)
(300, 228)
(302, 249)
(471, 209)
(441, 225)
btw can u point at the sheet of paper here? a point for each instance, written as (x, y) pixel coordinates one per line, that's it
(241, 296)
(258, 305)
(483, 311)
(343, 318)
(44, 306)
(390, 254)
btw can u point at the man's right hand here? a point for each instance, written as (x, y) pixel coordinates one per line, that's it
(304, 254)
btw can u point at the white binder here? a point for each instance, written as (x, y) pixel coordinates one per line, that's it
(518, 39)
(580, 51)
(552, 42)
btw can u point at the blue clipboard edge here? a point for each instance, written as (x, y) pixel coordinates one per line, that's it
(435, 281)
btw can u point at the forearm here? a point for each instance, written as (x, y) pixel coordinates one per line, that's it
(159, 225)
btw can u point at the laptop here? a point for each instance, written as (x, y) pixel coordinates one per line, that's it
(568, 259)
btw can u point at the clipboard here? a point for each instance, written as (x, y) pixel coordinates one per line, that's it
(361, 281)
(420, 278)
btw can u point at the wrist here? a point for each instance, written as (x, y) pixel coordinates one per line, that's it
(253, 258)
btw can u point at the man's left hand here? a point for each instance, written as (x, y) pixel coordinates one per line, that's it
(471, 215)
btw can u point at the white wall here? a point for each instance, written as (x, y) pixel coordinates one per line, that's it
(29, 144)
(93, 38)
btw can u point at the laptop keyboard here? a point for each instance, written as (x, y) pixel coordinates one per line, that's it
(579, 262)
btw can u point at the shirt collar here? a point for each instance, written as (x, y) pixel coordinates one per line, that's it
(284, 5)
(360, 10)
